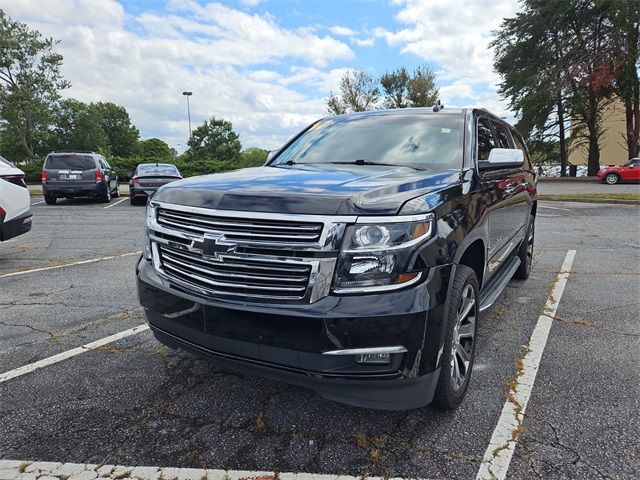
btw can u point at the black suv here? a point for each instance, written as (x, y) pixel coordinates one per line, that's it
(355, 262)
(78, 174)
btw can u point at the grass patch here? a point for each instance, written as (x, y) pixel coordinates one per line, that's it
(633, 197)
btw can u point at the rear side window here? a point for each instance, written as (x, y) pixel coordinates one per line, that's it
(504, 137)
(485, 139)
(70, 162)
(521, 146)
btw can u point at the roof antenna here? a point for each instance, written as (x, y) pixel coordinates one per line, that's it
(439, 106)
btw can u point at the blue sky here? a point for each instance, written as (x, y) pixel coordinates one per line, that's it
(266, 65)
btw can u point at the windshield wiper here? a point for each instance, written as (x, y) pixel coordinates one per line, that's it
(363, 161)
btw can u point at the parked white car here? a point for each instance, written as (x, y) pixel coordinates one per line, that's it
(15, 202)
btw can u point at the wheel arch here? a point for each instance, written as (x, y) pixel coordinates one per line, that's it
(474, 256)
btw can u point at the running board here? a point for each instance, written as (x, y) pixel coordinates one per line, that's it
(493, 290)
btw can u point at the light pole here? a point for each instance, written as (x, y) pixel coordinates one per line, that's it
(188, 94)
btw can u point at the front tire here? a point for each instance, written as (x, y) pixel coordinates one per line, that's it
(49, 199)
(611, 178)
(525, 251)
(116, 194)
(459, 341)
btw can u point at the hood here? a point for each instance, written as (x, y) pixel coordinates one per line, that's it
(308, 189)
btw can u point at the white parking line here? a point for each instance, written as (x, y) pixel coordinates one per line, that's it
(82, 262)
(497, 457)
(555, 208)
(20, 469)
(547, 215)
(37, 203)
(114, 204)
(17, 372)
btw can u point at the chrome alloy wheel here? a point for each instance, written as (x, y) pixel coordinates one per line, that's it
(611, 179)
(463, 337)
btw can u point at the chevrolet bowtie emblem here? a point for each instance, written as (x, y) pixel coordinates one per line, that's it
(212, 246)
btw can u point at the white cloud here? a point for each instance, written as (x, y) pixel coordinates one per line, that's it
(250, 3)
(223, 55)
(455, 36)
(343, 31)
(363, 42)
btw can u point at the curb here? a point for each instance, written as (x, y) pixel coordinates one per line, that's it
(568, 179)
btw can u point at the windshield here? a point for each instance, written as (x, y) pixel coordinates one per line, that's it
(70, 162)
(159, 170)
(431, 141)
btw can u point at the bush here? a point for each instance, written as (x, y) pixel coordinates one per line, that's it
(32, 171)
(125, 166)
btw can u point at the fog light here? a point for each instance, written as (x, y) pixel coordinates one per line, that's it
(374, 358)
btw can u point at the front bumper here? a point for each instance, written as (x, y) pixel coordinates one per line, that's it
(15, 226)
(289, 342)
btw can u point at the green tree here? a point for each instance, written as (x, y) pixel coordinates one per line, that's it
(154, 148)
(253, 157)
(115, 121)
(359, 92)
(625, 30)
(64, 121)
(87, 133)
(395, 88)
(557, 58)
(214, 139)
(401, 90)
(30, 82)
(530, 57)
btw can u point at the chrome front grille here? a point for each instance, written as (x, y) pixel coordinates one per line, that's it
(241, 229)
(236, 276)
(245, 256)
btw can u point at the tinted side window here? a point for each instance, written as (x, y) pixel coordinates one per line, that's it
(485, 139)
(521, 146)
(504, 137)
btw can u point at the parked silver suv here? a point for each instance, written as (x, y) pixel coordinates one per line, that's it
(78, 174)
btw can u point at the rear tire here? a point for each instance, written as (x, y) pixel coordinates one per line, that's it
(116, 194)
(106, 196)
(133, 200)
(525, 251)
(459, 340)
(50, 200)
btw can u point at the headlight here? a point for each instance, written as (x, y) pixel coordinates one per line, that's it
(149, 217)
(376, 254)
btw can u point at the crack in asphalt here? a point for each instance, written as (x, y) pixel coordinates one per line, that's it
(556, 443)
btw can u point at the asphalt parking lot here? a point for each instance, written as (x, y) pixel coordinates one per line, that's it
(70, 281)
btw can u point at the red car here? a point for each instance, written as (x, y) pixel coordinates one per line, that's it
(629, 172)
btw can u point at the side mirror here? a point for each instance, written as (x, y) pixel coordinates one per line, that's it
(505, 156)
(272, 154)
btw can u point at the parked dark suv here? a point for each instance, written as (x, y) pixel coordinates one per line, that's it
(78, 174)
(356, 262)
